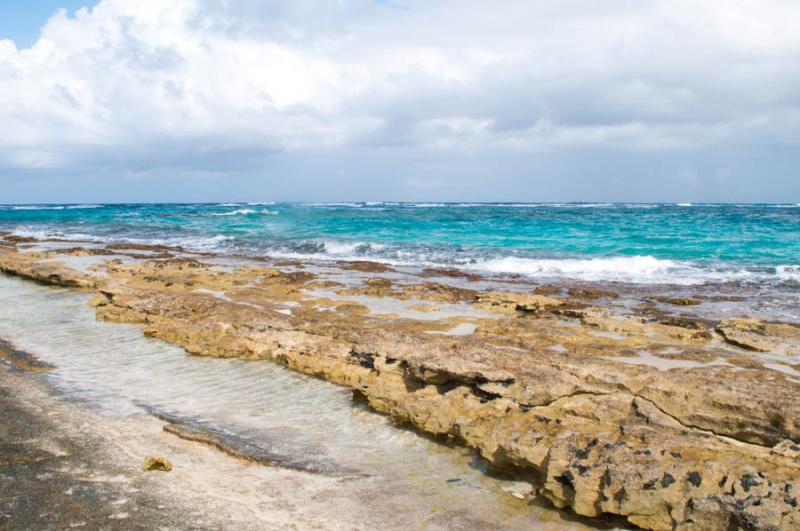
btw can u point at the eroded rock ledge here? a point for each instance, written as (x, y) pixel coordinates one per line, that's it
(540, 387)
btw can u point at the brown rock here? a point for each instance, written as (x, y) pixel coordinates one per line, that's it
(449, 272)
(507, 302)
(676, 301)
(365, 266)
(547, 289)
(760, 336)
(592, 293)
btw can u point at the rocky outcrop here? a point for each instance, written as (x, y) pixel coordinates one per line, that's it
(760, 336)
(365, 266)
(37, 267)
(598, 427)
(510, 302)
(676, 301)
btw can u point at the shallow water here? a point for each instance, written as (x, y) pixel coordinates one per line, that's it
(644, 244)
(114, 368)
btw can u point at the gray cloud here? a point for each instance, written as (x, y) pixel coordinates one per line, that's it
(357, 99)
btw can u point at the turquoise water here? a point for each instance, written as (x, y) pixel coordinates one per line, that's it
(642, 243)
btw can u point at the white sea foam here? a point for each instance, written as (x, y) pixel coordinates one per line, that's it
(240, 212)
(352, 205)
(788, 272)
(535, 205)
(326, 250)
(47, 234)
(340, 248)
(35, 207)
(194, 243)
(634, 269)
(244, 212)
(52, 207)
(683, 204)
(628, 269)
(210, 243)
(334, 247)
(557, 205)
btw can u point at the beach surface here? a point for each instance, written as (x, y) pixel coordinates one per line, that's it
(64, 465)
(654, 406)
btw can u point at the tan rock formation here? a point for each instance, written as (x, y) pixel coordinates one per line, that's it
(759, 336)
(607, 414)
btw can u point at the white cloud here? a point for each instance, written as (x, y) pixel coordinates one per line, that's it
(126, 81)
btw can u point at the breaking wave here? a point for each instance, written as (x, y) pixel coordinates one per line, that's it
(243, 212)
(627, 269)
(215, 243)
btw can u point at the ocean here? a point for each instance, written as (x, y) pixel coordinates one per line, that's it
(683, 244)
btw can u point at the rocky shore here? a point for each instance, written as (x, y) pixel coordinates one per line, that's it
(612, 403)
(64, 464)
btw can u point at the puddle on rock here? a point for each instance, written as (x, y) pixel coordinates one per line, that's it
(664, 364)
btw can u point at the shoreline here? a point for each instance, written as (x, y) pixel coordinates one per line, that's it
(595, 425)
(643, 268)
(64, 465)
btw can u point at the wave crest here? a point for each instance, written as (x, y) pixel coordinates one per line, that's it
(634, 269)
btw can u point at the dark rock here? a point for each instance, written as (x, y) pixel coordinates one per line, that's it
(749, 482)
(676, 301)
(566, 479)
(694, 478)
(592, 293)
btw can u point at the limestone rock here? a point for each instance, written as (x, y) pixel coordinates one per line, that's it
(555, 392)
(509, 302)
(591, 293)
(760, 336)
(676, 301)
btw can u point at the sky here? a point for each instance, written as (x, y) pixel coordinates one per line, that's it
(361, 100)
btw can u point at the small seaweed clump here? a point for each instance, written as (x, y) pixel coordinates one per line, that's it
(155, 462)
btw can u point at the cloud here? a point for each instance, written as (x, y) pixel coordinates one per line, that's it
(228, 86)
